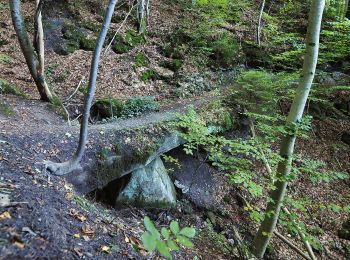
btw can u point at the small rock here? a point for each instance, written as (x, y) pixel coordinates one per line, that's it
(164, 72)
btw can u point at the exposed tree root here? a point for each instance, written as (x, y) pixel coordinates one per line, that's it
(61, 169)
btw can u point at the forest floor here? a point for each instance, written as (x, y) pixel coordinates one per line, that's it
(49, 219)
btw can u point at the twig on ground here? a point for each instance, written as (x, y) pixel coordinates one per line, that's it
(291, 245)
(67, 113)
(76, 90)
(302, 236)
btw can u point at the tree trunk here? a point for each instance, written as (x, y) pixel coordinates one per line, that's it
(142, 15)
(268, 225)
(35, 66)
(347, 9)
(258, 30)
(74, 162)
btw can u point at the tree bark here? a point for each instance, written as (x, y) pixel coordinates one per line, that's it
(258, 30)
(268, 225)
(35, 66)
(142, 15)
(74, 162)
(346, 9)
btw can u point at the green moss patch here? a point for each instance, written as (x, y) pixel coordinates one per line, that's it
(6, 110)
(130, 40)
(141, 60)
(115, 108)
(78, 37)
(7, 88)
(225, 50)
(149, 75)
(5, 58)
(173, 65)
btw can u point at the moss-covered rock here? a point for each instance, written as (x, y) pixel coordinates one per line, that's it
(128, 42)
(120, 46)
(87, 43)
(67, 48)
(106, 108)
(78, 37)
(149, 187)
(173, 65)
(148, 75)
(109, 107)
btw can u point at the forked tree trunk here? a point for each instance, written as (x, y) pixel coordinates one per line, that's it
(34, 59)
(74, 162)
(258, 29)
(268, 225)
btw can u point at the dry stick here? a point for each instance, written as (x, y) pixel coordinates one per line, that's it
(121, 25)
(283, 238)
(76, 90)
(269, 171)
(302, 236)
(291, 245)
(67, 113)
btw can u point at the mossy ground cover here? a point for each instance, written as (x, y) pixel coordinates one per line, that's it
(125, 43)
(7, 88)
(109, 108)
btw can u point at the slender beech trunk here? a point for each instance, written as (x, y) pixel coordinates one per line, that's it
(74, 162)
(258, 29)
(347, 9)
(34, 59)
(268, 225)
(142, 15)
(39, 45)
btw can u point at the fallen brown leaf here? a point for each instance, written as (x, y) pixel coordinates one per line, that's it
(5, 215)
(87, 229)
(69, 195)
(106, 249)
(75, 214)
(19, 244)
(78, 251)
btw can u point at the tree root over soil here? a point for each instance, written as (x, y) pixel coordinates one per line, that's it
(61, 169)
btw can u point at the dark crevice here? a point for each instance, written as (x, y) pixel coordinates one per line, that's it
(109, 194)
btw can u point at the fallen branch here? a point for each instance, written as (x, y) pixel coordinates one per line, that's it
(76, 90)
(121, 25)
(291, 245)
(67, 113)
(302, 236)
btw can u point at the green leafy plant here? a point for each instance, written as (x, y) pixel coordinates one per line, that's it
(168, 239)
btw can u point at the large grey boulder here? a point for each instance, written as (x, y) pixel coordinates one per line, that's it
(149, 187)
(200, 183)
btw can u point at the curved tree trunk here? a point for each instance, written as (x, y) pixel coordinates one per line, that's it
(36, 67)
(268, 225)
(74, 162)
